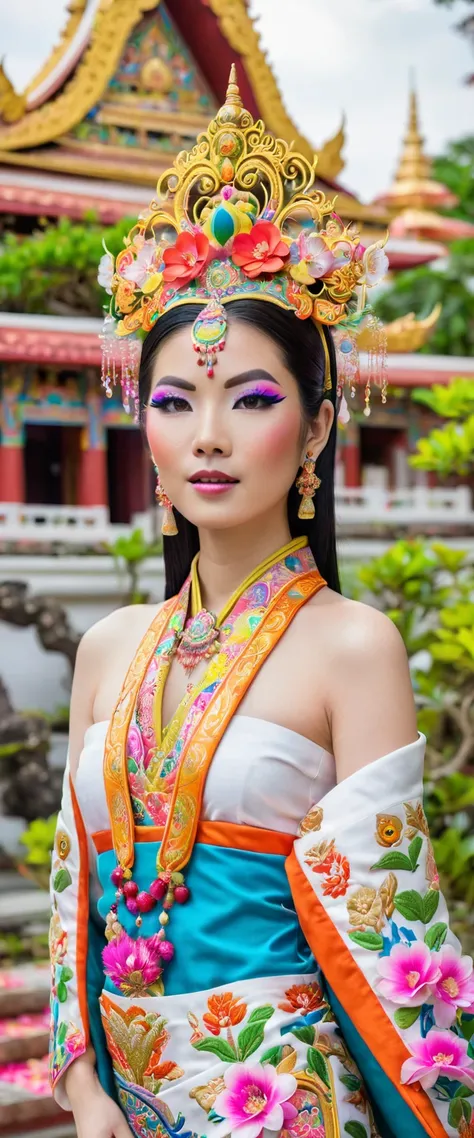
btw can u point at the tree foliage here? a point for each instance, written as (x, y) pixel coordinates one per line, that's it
(455, 168)
(418, 290)
(54, 271)
(448, 449)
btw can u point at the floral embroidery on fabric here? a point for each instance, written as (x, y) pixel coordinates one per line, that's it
(61, 974)
(368, 908)
(149, 1116)
(225, 1012)
(255, 1097)
(313, 820)
(325, 859)
(304, 998)
(134, 965)
(136, 1040)
(62, 844)
(389, 830)
(67, 1042)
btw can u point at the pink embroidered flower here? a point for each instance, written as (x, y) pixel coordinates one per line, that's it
(316, 261)
(441, 1053)
(408, 974)
(75, 1041)
(455, 986)
(134, 966)
(255, 1098)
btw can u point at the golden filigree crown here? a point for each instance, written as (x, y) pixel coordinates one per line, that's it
(237, 216)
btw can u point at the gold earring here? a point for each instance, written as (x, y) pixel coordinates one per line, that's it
(169, 527)
(307, 483)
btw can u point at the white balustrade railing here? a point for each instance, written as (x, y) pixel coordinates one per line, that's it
(419, 505)
(363, 506)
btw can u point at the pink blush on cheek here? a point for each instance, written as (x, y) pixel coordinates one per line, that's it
(277, 438)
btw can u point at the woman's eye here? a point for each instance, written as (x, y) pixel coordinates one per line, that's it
(170, 403)
(256, 400)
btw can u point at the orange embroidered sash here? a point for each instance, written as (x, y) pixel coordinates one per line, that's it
(183, 819)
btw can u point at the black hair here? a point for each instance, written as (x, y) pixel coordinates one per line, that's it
(303, 352)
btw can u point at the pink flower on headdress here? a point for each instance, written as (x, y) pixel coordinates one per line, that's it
(440, 1053)
(134, 966)
(105, 272)
(455, 986)
(260, 251)
(408, 974)
(316, 261)
(375, 264)
(143, 264)
(255, 1098)
(185, 259)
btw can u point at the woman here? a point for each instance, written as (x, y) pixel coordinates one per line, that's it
(248, 934)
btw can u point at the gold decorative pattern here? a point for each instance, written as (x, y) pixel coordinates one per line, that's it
(114, 21)
(75, 9)
(183, 818)
(237, 26)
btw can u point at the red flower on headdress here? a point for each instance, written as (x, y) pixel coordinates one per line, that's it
(185, 259)
(260, 251)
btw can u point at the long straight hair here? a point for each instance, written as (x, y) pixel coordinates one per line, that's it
(302, 350)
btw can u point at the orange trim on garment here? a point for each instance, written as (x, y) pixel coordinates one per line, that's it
(227, 835)
(115, 761)
(82, 920)
(195, 760)
(356, 996)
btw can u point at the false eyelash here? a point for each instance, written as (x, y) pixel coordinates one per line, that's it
(265, 393)
(158, 400)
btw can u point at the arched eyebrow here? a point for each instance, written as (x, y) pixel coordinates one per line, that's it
(255, 375)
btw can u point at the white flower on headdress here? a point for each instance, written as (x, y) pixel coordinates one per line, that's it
(106, 271)
(316, 259)
(375, 264)
(143, 264)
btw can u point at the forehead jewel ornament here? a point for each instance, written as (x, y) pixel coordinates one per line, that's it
(240, 216)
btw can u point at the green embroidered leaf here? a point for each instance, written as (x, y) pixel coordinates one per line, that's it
(317, 1063)
(414, 850)
(470, 1049)
(218, 1047)
(463, 1092)
(272, 1056)
(436, 936)
(466, 1109)
(394, 860)
(351, 1082)
(249, 1039)
(455, 1112)
(404, 1017)
(355, 1129)
(62, 992)
(368, 940)
(61, 880)
(467, 1028)
(260, 1015)
(62, 1032)
(430, 904)
(66, 973)
(305, 1034)
(410, 905)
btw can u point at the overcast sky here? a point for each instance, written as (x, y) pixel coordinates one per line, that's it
(331, 56)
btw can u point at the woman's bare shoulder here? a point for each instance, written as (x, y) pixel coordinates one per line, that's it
(352, 625)
(130, 621)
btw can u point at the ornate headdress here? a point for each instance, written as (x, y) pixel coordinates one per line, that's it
(238, 216)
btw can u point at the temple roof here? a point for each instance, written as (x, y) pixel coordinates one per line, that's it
(132, 82)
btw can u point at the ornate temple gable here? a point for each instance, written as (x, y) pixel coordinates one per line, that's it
(214, 33)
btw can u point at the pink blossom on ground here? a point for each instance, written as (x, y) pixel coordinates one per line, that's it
(455, 986)
(408, 974)
(255, 1098)
(441, 1053)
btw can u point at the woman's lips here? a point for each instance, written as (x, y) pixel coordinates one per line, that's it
(212, 481)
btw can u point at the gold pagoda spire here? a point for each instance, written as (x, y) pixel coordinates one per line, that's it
(413, 186)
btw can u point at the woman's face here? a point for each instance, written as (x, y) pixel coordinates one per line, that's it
(228, 447)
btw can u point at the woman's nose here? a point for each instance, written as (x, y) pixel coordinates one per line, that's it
(211, 437)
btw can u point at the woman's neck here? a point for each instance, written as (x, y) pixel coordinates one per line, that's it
(227, 557)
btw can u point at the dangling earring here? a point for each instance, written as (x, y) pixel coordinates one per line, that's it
(307, 483)
(169, 527)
